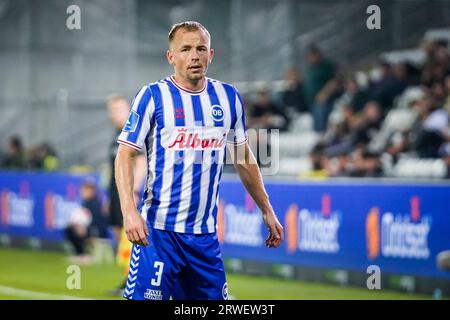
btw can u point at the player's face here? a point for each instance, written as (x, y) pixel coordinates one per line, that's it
(190, 54)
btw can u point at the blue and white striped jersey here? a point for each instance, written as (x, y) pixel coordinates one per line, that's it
(185, 135)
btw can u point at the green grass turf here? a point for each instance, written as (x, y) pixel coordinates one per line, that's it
(45, 272)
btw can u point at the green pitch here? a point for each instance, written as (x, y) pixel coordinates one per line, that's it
(28, 274)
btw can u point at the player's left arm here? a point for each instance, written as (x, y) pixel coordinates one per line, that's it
(248, 170)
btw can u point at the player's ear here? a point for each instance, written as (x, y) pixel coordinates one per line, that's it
(169, 56)
(211, 55)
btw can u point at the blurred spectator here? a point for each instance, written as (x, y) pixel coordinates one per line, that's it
(438, 91)
(391, 84)
(366, 164)
(266, 114)
(319, 87)
(293, 98)
(407, 74)
(447, 91)
(86, 223)
(77, 232)
(357, 97)
(428, 132)
(368, 125)
(445, 153)
(43, 157)
(91, 201)
(15, 157)
(318, 163)
(338, 138)
(437, 64)
(353, 97)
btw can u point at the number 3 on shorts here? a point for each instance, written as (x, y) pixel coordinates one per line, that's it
(158, 274)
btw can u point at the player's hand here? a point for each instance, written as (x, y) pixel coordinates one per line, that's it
(276, 233)
(136, 229)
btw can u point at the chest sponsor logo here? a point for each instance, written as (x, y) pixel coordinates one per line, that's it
(195, 138)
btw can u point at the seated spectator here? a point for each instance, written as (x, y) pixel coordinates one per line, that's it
(438, 91)
(293, 98)
(447, 92)
(353, 97)
(318, 163)
(389, 86)
(86, 223)
(366, 164)
(437, 64)
(15, 158)
(429, 131)
(77, 232)
(90, 200)
(338, 164)
(265, 114)
(406, 74)
(43, 157)
(338, 138)
(368, 125)
(445, 154)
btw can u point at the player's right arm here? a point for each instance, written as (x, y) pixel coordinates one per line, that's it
(132, 139)
(135, 226)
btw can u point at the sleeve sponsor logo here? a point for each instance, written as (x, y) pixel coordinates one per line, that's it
(132, 122)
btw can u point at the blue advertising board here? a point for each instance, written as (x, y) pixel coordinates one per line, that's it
(38, 204)
(399, 227)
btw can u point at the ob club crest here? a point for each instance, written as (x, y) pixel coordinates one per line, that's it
(216, 113)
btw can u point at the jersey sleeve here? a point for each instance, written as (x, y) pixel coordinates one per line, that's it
(238, 133)
(140, 120)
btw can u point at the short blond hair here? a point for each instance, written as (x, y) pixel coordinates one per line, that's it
(188, 26)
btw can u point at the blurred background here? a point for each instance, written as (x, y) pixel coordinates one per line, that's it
(364, 143)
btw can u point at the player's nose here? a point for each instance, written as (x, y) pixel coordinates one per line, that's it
(194, 55)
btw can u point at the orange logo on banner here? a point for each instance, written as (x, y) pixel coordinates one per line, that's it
(4, 207)
(49, 211)
(291, 228)
(220, 222)
(373, 233)
(326, 206)
(415, 209)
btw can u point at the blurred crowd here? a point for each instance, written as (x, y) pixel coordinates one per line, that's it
(350, 113)
(37, 157)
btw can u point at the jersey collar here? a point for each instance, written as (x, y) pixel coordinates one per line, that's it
(176, 84)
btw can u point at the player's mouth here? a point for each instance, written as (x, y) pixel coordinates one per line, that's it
(195, 68)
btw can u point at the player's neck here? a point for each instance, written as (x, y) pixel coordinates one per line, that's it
(189, 86)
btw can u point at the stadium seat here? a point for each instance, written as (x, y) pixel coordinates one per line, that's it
(294, 166)
(397, 120)
(414, 56)
(409, 95)
(420, 168)
(297, 144)
(302, 122)
(437, 34)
